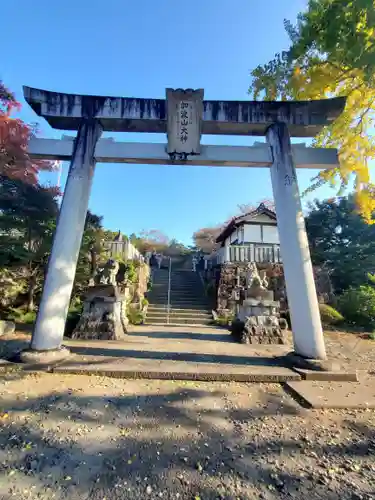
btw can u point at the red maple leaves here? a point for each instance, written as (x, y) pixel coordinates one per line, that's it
(15, 161)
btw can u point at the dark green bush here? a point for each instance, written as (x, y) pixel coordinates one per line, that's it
(128, 268)
(131, 271)
(135, 316)
(358, 306)
(224, 320)
(329, 315)
(19, 315)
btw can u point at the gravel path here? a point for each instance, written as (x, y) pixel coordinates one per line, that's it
(80, 437)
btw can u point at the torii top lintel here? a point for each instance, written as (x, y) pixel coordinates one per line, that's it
(125, 114)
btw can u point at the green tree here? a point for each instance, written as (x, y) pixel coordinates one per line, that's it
(341, 241)
(332, 53)
(27, 221)
(176, 248)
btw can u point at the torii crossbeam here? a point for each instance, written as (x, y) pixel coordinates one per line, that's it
(109, 151)
(183, 116)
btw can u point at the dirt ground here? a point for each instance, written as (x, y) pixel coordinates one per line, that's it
(77, 437)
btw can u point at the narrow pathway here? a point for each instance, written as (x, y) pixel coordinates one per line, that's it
(185, 353)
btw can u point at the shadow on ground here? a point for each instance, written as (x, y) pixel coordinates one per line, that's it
(176, 356)
(127, 443)
(171, 335)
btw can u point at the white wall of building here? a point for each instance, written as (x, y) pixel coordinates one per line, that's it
(260, 229)
(270, 234)
(252, 233)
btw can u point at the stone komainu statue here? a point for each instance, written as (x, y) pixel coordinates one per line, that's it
(254, 278)
(106, 275)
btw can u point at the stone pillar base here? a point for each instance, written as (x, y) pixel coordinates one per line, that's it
(297, 361)
(42, 358)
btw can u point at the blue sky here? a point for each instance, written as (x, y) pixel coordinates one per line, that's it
(138, 48)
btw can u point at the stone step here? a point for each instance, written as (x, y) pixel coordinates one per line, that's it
(184, 296)
(192, 293)
(159, 307)
(188, 296)
(194, 300)
(180, 304)
(202, 313)
(192, 311)
(187, 290)
(176, 320)
(181, 313)
(182, 286)
(193, 289)
(174, 300)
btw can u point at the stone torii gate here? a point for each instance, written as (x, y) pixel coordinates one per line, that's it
(183, 116)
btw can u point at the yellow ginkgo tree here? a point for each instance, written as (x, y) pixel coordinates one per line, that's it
(332, 53)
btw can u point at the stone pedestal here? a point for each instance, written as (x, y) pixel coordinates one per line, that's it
(258, 322)
(104, 314)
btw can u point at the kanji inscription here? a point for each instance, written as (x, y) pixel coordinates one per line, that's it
(185, 109)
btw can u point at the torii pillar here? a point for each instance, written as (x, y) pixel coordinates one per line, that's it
(53, 310)
(299, 278)
(184, 116)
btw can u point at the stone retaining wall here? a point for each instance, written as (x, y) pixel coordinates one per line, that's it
(222, 280)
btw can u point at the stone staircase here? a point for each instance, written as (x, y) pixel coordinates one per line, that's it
(189, 305)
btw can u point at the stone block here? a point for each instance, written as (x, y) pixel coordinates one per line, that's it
(256, 311)
(268, 295)
(330, 394)
(266, 311)
(270, 303)
(251, 302)
(259, 330)
(7, 327)
(262, 320)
